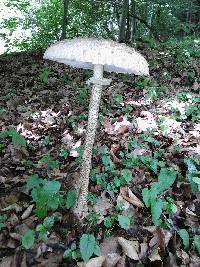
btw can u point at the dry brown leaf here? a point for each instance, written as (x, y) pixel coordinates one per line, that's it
(109, 246)
(121, 202)
(154, 256)
(143, 251)
(95, 262)
(119, 127)
(128, 195)
(17, 208)
(113, 150)
(122, 262)
(183, 256)
(111, 260)
(6, 261)
(130, 248)
(27, 212)
(103, 205)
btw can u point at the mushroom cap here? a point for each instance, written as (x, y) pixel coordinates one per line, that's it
(87, 52)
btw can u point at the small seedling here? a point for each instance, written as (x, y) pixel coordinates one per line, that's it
(64, 152)
(43, 229)
(28, 239)
(44, 75)
(3, 219)
(45, 194)
(49, 162)
(17, 139)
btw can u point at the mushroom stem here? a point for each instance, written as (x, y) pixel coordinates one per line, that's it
(83, 181)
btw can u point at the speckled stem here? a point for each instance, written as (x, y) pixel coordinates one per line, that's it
(83, 180)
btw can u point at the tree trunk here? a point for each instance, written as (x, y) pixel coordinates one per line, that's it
(133, 22)
(122, 29)
(65, 19)
(150, 13)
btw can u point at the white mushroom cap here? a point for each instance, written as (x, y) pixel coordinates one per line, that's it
(87, 52)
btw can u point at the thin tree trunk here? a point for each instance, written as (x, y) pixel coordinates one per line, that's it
(122, 29)
(128, 26)
(133, 22)
(65, 19)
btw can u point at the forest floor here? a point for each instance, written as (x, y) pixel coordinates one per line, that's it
(144, 200)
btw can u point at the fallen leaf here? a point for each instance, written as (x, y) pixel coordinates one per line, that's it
(111, 260)
(130, 248)
(27, 212)
(109, 246)
(95, 262)
(154, 256)
(102, 205)
(14, 207)
(128, 195)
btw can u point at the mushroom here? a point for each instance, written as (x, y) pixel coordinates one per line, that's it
(98, 55)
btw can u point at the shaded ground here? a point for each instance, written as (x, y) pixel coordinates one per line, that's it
(145, 178)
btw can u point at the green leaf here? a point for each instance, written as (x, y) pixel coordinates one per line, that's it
(87, 246)
(71, 199)
(166, 179)
(46, 140)
(185, 238)
(17, 139)
(4, 134)
(156, 211)
(41, 204)
(197, 243)
(146, 194)
(49, 222)
(127, 175)
(33, 181)
(53, 202)
(28, 239)
(97, 250)
(124, 221)
(52, 187)
(196, 180)
(109, 221)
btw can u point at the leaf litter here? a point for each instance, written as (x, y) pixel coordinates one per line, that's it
(146, 126)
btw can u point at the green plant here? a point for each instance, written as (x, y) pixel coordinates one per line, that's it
(2, 146)
(109, 221)
(193, 111)
(88, 247)
(141, 83)
(3, 219)
(70, 199)
(28, 239)
(152, 196)
(82, 95)
(49, 162)
(118, 98)
(124, 221)
(150, 139)
(92, 198)
(127, 110)
(193, 174)
(43, 228)
(46, 140)
(134, 143)
(196, 243)
(185, 238)
(64, 152)
(17, 139)
(45, 194)
(44, 75)
(93, 218)
(72, 252)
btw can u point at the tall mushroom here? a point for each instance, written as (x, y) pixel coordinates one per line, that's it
(98, 55)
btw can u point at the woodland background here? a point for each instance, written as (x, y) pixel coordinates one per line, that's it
(144, 204)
